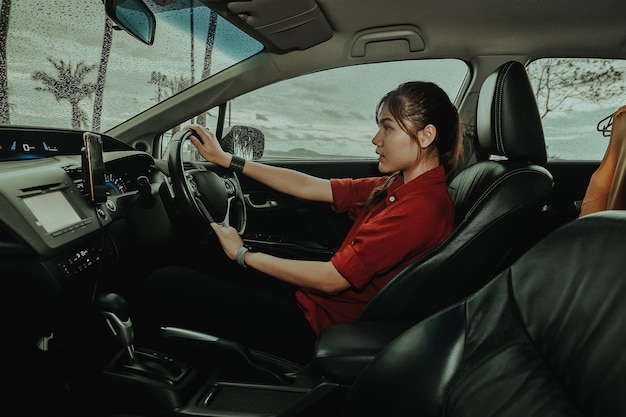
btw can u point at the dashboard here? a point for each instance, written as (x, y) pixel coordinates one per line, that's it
(46, 214)
(23, 143)
(58, 245)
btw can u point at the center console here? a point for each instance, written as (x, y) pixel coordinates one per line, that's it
(233, 380)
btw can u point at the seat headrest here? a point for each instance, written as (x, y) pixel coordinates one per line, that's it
(507, 118)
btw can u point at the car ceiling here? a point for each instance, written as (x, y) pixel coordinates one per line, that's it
(449, 27)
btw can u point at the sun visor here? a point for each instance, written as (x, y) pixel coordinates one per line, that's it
(286, 24)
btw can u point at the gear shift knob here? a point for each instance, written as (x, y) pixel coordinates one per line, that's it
(113, 307)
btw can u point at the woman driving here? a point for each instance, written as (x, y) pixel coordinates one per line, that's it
(279, 305)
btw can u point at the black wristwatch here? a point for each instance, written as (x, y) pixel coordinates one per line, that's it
(236, 164)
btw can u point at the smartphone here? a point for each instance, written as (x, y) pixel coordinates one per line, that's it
(93, 168)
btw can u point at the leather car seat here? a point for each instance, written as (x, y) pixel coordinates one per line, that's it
(496, 200)
(544, 338)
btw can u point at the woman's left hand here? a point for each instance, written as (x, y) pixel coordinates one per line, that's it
(229, 239)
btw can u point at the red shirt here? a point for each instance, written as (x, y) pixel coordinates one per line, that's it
(413, 219)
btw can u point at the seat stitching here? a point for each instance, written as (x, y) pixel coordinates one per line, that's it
(498, 98)
(496, 183)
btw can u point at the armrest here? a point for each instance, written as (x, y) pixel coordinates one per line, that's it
(239, 360)
(343, 350)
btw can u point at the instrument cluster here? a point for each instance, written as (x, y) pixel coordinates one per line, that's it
(114, 184)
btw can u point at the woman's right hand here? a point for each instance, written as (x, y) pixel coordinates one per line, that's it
(207, 145)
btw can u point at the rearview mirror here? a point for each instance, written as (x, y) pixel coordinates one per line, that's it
(134, 17)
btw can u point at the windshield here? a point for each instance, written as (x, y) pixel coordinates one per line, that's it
(68, 66)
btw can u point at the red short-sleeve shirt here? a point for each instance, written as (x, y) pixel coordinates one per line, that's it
(413, 219)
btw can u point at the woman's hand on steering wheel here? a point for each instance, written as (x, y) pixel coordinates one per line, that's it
(229, 239)
(205, 193)
(207, 145)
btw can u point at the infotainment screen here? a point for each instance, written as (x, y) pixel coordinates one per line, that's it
(52, 210)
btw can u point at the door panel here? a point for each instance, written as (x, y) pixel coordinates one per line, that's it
(286, 226)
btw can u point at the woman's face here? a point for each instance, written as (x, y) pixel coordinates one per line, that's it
(395, 148)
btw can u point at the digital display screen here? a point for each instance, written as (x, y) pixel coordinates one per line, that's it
(17, 144)
(52, 210)
(29, 148)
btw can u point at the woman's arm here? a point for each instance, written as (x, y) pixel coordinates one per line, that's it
(284, 180)
(597, 195)
(316, 275)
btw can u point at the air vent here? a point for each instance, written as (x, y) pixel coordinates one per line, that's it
(41, 187)
(76, 174)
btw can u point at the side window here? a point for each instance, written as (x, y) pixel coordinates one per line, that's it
(575, 97)
(331, 114)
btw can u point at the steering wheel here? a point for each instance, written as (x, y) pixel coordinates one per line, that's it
(206, 195)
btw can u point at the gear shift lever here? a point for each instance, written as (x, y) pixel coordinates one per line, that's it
(162, 381)
(113, 308)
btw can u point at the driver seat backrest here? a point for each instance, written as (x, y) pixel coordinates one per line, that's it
(543, 338)
(496, 202)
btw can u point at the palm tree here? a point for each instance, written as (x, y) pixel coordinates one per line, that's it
(208, 55)
(192, 46)
(5, 11)
(167, 87)
(70, 86)
(176, 85)
(102, 71)
(210, 41)
(160, 80)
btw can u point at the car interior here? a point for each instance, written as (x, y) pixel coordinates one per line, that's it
(518, 312)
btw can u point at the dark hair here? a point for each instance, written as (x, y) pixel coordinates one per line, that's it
(414, 105)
